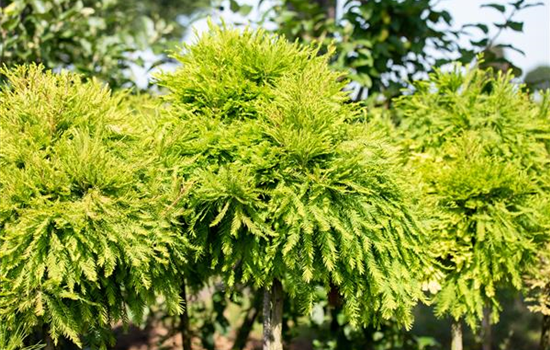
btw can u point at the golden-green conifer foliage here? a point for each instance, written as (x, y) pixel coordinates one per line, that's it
(280, 182)
(81, 241)
(477, 144)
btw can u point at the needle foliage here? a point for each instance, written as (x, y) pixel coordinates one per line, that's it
(282, 182)
(477, 143)
(81, 242)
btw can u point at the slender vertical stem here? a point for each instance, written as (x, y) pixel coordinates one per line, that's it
(266, 319)
(277, 318)
(486, 329)
(184, 321)
(273, 317)
(545, 333)
(49, 343)
(456, 335)
(47, 338)
(334, 308)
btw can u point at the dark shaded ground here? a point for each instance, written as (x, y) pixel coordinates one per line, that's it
(518, 329)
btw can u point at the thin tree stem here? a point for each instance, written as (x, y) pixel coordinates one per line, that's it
(184, 321)
(273, 317)
(486, 329)
(545, 333)
(47, 338)
(456, 335)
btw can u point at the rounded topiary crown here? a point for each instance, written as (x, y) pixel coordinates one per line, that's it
(282, 182)
(479, 147)
(80, 240)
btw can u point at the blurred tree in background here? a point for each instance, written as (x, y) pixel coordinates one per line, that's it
(384, 44)
(538, 78)
(100, 38)
(169, 10)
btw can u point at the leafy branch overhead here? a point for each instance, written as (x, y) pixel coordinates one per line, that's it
(385, 44)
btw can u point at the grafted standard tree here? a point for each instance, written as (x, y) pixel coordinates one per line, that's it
(478, 145)
(286, 190)
(81, 239)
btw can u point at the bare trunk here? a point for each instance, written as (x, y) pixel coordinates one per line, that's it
(44, 333)
(47, 338)
(49, 343)
(545, 334)
(251, 314)
(184, 321)
(486, 329)
(273, 317)
(456, 335)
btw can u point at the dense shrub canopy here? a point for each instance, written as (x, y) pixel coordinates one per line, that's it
(81, 241)
(281, 182)
(450, 103)
(478, 144)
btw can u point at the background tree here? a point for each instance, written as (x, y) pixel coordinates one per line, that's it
(82, 241)
(538, 78)
(495, 58)
(384, 44)
(283, 188)
(478, 144)
(381, 43)
(170, 11)
(97, 38)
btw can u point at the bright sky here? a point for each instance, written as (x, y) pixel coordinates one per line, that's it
(534, 41)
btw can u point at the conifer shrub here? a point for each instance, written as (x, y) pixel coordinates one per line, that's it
(82, 242)
(477, 143)
(282, 184)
